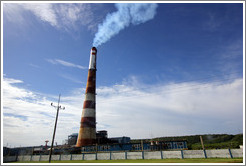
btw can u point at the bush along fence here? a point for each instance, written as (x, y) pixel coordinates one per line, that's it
(181, 154)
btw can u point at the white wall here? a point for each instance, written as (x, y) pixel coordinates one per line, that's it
(193, 154)
(118, 156)
(237, 152)
(66, 157)
(134, 155)
(171, 154)
(152, 155)
(77, 157)
(90, 157)
(220, 153)
(44, 158)
(35, 157)
(103, 156)
(55, 157)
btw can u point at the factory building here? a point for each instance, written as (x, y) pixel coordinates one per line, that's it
(101, 138)
(102, 134)
(143, 146)
(29, 150)
(72, 139)
(121, 140)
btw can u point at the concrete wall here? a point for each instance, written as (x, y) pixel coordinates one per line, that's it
(26, 158)
(171, 154)
(66, 157)
(237, 152)
(35, 157)
(220, 153)
(90, 156)
(9, 159)
(77, 157)
(44, 158)
(55, 157)
(134, 155)
(193, 154)
(118, 156)
(19, 158)
(152, 155)
(103, 156)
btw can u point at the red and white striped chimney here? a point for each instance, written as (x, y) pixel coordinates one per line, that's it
(87, 131)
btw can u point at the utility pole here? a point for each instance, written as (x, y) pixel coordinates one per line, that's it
(202, 142)
(142, 144)
(58, 107)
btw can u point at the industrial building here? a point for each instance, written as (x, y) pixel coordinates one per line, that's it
(101, 138)
(121, 140)
(72, 139)
(144, 146)
(29, 150)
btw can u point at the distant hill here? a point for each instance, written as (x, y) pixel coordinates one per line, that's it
(210, 141)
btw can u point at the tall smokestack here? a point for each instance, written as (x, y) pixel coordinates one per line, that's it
(87, 131)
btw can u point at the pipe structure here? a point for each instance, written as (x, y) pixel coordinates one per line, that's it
(87, 131)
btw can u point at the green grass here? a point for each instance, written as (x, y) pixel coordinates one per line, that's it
(209, 160)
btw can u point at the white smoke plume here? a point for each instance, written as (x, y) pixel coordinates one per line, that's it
(126, 14)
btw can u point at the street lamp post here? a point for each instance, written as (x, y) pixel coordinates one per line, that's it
(58, 107)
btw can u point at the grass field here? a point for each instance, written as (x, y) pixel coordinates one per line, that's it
(209, 160)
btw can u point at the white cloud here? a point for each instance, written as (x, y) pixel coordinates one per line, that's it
(65, 63)
(44, 11)
(176, 109)
(37, 126)
(125, 110)
(230, 58)
(72, 15)
(65, 16)
(71, 78)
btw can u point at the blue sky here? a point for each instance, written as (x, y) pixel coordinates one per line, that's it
(167, 69)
